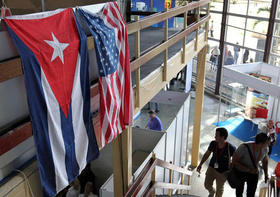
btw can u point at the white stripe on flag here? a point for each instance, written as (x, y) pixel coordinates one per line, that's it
(55, 135)
(116, 90)
(107, 117)
(80, 132)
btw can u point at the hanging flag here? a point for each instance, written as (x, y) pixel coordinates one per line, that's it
(54, 55)
(112, 54)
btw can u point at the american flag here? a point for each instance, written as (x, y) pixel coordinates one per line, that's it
(112, 54)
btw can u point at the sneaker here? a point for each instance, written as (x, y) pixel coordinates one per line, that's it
(157, 111)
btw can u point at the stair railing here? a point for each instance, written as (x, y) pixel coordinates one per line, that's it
(149, 189)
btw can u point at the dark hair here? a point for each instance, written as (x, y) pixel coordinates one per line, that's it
(261, 138)
(223, 132)
(151, 112)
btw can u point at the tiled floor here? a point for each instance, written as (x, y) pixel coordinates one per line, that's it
(209, 116)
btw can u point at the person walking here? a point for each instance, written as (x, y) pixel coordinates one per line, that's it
(236, 52)
(212, 29)
(215, 58)
(245, 164)
(229, 60)
(222, 152)
(268, 128)
(154, 122)
(245, 56)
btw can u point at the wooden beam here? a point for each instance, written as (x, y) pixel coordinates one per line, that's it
(118, 168)
(122, 162)
(166, 50)
(199, 95)
(170, 180)
(207, 23)
(10, 69)
(160, 48)
(197, 12)
(127, 157)
(156, 18)
(185, 38)
(154, 175)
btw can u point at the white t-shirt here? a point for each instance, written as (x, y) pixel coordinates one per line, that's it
(72, 192)
(262, 128)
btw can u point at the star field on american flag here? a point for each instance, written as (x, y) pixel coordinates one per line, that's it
(105, 43)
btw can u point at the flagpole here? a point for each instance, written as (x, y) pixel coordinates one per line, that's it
(43, 5)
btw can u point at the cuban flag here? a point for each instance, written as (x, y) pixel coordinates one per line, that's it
(54, 54)
(109, 31)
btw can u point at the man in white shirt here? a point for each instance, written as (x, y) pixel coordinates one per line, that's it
(268, 128)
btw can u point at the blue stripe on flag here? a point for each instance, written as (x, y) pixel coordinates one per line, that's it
(37, 105)
(71, 164)
(93, 150)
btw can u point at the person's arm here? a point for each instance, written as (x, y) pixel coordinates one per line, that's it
(235, 162)
(204, 158)
(264, 166)
(147, 124)
(160, 125)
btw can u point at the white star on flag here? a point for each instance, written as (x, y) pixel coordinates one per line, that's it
(58, 48)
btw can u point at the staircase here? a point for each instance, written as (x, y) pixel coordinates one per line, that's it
(149, 171)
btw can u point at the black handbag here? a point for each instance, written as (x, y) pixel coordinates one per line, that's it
(233, 179)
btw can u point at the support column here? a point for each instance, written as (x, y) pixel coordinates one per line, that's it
(122, 162)
(199, 94)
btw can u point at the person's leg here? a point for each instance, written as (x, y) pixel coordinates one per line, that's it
(156, 106)
(252, 182)
(149, 106)
(209, 179)
(278, 191)
(239, 189)
(220, 181)
(269, 150)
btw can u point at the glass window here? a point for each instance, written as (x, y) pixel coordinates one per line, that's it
(216, 5)
(257, 26)
(275, 48)
(236, 21)
(260, 8)
(278, 12)
(234, 35)
(276, 29)
(238, 7)
(254, 40)
(274, 60)
(215, 25)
